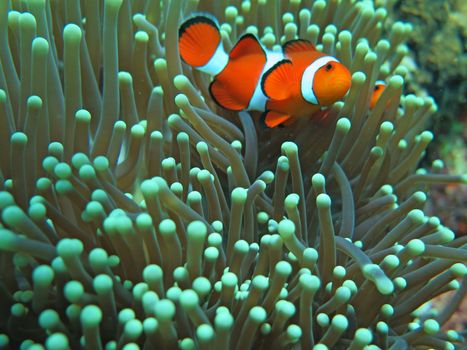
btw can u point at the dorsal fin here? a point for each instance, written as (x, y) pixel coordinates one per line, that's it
(277, 82)
(248, 44)
(299, 45)
(199, 38)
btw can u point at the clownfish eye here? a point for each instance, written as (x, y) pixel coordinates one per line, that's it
(377, 87)
(328, 67)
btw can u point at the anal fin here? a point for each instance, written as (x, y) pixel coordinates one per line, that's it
(272, 119)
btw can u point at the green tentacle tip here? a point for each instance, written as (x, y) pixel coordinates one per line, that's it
(63, 187)
(164, 310)
(340, 322)
(202, 286)
(396, 81)
(415, 247)
(387, 310)
(150, 325)
(189, 299)
(239, 195)
(13, 216)
(202, 147)
(187, 344)
(27, 20)
(137, 131)
(152, 273)
(286, 228)
(426, 137)
(133, 329)
(173, 119)
(416, 216)
(320, 346)
(149, 188)
(57, 341)
(322, 319)
(420, 196)
(323, 201)
(83, 115)
(167, 227)
(339, 272)
(4, 341)
(197, 230)
(358, 78)
(310, 282)
(241, 246)
(48, 319)
(19, 138)
(343, 294)
(283, 268)
(289, 148)
(73, 291)
(458, 270)
(69, 247)
(181, 100)
(257, 314)
(260, 282)
(431, 327)
(205, 333)
(91, 316)
(343, 125)
(87, 172)
(43, 275)
(34, 102)
(318, 180)
(310, 254)
(223, 321)
(181, 82)
(292, 200)
(374, 273)
(102, 284)
(363, 336)
(72, 33)
(6, 199)
(205, 176)
(285, 308)
(98, 257)
(229, 279)
(382, 327)
(40, 45)
(141, 36)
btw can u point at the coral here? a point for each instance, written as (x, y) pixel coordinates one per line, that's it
(137, 214)
(438, 44)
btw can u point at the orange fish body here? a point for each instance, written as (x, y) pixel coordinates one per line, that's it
(284, 85)
(378, 90)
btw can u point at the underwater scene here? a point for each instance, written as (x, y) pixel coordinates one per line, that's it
(233, 174)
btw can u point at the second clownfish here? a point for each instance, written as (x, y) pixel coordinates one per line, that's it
(378, 90)
(285, 85)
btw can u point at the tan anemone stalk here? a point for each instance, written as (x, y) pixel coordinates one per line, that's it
(136, 214)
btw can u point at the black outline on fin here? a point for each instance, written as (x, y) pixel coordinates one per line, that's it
(217, 102)
(269, 71)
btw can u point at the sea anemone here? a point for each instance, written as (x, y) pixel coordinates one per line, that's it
(135, 213)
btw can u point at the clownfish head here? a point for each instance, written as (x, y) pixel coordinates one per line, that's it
(325, 81)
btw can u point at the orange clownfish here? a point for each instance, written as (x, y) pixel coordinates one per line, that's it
(378, 90)
(284, 85)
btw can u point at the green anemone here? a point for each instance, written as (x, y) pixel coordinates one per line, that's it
(137, 214)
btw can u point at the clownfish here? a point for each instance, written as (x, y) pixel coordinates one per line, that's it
(378, 90)
(284, 85)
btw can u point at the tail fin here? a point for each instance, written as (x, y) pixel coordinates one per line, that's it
(200, 45)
